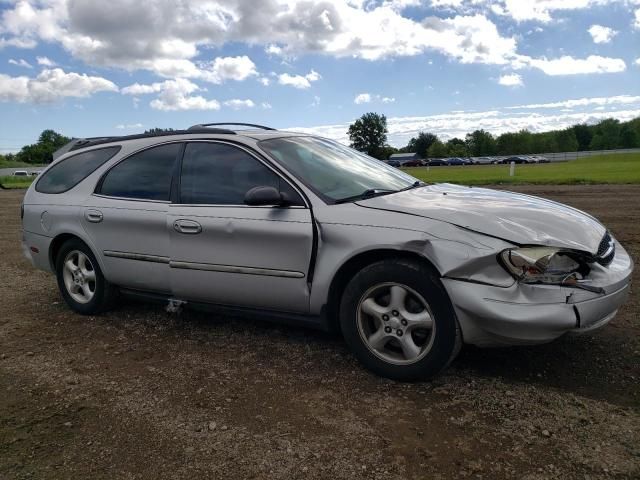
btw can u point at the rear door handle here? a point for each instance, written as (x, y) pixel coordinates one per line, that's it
(93, 216)
(187, 226)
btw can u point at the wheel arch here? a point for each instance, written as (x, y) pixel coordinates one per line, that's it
(60, 240)
(353, 265)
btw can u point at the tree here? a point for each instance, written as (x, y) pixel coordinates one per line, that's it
(629, 137)
(584, 135)
(567, 141)
(480, 143)
(607, 135)
(457, 148)
(421, 143)
(386, 151)
(437, 150)
(155, 131)
(369, 134)
(42, 152)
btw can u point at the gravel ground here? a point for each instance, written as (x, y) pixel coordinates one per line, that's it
(140, 393)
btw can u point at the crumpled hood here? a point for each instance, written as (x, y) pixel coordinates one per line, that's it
(518, 218)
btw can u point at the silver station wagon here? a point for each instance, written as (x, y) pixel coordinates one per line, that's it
(304, 229)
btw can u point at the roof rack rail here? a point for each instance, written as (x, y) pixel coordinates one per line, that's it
(78, 143)
(205, 125)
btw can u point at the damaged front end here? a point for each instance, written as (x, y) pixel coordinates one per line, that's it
(556, 290)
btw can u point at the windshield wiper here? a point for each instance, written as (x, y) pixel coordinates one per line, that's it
(415, 184)
(377, 192)
(368, 193)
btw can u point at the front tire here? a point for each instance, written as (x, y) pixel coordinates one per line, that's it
(81, 281)
(397, 319)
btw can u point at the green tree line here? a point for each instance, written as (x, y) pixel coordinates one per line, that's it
(369, 134)
(48, 142)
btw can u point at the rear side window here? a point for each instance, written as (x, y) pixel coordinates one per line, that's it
(69, 172)
(145, 175)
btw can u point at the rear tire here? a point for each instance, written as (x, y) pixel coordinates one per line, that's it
(398, 321)
(81, 281)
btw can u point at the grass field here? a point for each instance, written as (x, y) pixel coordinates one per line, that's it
(5, 164)
(16, 182)
(620, 168)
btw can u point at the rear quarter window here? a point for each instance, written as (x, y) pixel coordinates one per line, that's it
(67, 173)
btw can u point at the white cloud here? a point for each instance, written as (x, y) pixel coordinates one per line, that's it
(132, 126)
(511, 80)
(229, 68)
(20, 63)
(266, 105)
(368, 98)
(568, 65)
(583, 102)
(174, 95)
(50, 86)
(299, 81)
(362, 98)
(636, 24)
(45, 62)
(601, 34)
(540, 10)
(140, 89)
(237, 104)
(166, 36)
(264, 81)
(637, 62)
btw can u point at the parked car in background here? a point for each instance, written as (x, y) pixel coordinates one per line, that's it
(393, 163)
(414, 163)
(516, 159)
(540, 159)
(437, 162)
(410, 159)
(303, 228)
(457, 161)
(482, 160)
(34, 173)
(20, 173)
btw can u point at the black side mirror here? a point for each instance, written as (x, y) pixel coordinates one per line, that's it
(260, 196)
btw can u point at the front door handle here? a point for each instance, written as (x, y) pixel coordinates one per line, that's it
(187, 226)
(93, 216)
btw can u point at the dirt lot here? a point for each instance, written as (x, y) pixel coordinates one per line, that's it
(140, 393)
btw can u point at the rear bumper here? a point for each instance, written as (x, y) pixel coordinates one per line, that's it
(35, 248)
(530, 314)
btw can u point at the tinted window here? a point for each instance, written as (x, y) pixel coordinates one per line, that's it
(67, 173)
(219, 174)
(145, 175)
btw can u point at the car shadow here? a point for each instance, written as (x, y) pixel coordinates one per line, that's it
(602, 366)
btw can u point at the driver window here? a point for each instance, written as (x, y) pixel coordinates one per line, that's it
(221, 174)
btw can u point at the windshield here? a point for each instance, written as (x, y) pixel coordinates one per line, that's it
(333, 171)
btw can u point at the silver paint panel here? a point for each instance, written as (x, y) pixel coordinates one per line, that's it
(134, 228)
(516, 217)
(262, 239)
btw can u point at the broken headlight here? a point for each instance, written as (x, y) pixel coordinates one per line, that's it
(544, 265)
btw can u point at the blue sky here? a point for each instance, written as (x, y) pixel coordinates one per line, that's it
(91, 68)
